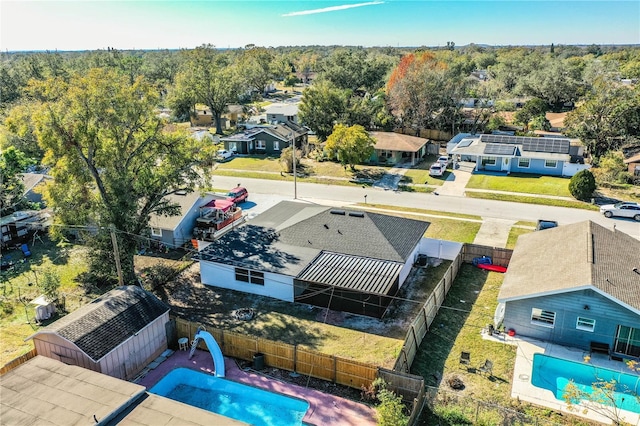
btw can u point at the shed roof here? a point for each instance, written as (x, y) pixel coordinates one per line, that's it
(103, 324)
(392, 141)
(289, 109)
(571, 257)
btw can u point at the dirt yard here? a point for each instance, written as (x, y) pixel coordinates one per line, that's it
(379, 340)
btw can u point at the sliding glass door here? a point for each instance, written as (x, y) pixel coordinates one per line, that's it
(627, 341)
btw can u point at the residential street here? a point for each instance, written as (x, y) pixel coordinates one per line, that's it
(265, 193)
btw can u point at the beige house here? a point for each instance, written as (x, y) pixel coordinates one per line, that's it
(117, 334)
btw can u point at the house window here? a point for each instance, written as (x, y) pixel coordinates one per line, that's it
(261, 145)
(542, 317)
(233, 146)
(249, 276)
(627, 341)
(489, 161)
(585, 324)
(276, 145)
(551, 164)
(523, 163)
(156, 232)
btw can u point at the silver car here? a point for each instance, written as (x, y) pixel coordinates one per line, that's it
(631, 210)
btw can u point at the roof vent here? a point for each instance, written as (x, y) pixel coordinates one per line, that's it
(340, 212)
(356, 214)
(326, 226)
(181, 192)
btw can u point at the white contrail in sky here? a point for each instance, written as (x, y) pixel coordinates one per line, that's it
(332, 8)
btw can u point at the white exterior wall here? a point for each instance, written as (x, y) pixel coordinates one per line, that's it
(275, 285)
(570, 169)
(439, 248)
(131, 356)
(406, 269)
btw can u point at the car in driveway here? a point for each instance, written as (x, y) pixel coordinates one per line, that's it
(238, 194)
(436, 169)
(224, 154)
(444, 160)
(623, 209)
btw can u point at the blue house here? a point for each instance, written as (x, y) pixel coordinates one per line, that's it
(522, 154)
(576, 285)
(175, 231)
(269, 139)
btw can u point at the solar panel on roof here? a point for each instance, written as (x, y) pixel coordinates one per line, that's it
(499, 149)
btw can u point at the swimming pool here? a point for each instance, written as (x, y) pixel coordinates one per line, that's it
(231, 399)
(554, 374)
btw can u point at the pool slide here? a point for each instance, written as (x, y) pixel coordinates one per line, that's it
(216, 353)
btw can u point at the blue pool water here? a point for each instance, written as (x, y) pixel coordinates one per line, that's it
(231, 399)
(554, 374)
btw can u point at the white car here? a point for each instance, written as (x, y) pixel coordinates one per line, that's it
(631, 210)
(444, 160)
(436, 169)
(223, 154)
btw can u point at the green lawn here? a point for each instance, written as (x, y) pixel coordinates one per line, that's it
(525, 183)
(514, 233)
(21, 284)
(467, 309)
(261, 163)
(532, 200)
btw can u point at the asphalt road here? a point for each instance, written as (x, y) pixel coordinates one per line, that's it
(266, 193)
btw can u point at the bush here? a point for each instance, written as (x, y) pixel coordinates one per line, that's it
(582, 185)
(390, 411)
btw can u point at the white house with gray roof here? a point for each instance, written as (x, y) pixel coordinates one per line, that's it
(117, 334)
(575, 285)
(309, 253)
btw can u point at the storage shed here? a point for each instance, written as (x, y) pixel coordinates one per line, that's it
(117, 334)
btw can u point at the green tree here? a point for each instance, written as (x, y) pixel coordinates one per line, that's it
(12, 163)
(611, 169)
(582, 185)
(286, 159)
(350, 145)
(390, 410)
(209, 77)
(553, 82)
(255, 63)
(322, 106)
(19, 131)
(531, 109)
(112, 160)
(608, 116)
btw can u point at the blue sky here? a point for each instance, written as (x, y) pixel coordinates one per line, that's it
(81, 25)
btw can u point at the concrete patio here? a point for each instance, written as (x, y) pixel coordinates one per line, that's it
(523, 389)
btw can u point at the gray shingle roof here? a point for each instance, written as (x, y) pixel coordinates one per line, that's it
(290, 235)
(103, 324)
(570, 257)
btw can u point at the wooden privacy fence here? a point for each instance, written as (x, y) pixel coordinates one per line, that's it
(421, 323)
(499, 256)
(18, 361)
(287, 357)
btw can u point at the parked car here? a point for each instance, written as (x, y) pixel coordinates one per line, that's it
(624, 209)
(436, 169)
(224, 154)
(546, 224)
(238, 195)
(444, 160)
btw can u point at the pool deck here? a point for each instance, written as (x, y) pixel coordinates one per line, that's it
(324, 409)
(522, 372)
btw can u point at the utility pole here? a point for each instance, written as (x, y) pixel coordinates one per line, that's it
(295, 176)
(116, 253)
